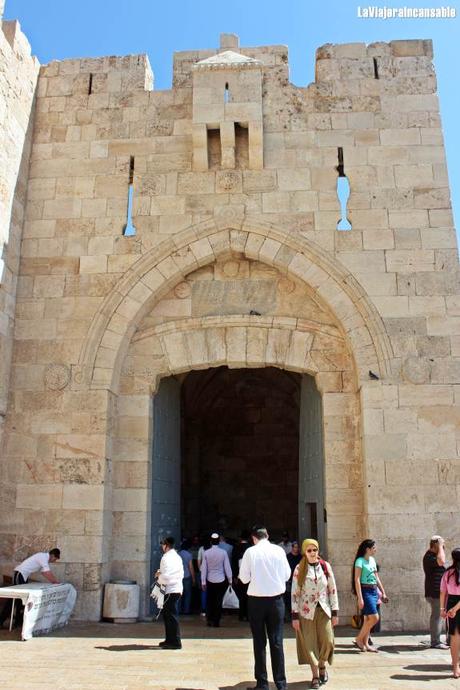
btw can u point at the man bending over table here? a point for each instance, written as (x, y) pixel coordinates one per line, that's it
(38, 562)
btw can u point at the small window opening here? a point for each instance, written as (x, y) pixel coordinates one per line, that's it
(226, 93)
(129, 229)
(90, 85)
(343, 193)
(376, 69)
(241, 146)
(214, 149)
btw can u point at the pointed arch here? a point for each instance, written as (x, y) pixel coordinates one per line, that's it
(170, 262)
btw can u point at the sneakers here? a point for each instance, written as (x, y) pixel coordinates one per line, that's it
(440, 645)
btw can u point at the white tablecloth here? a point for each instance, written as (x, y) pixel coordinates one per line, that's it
(46, 606)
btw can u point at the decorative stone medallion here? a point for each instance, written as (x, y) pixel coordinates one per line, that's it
(286, 286)
(56, 377)
(416, 370)
(182, 290)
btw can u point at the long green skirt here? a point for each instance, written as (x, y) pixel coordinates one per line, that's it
(315, 639)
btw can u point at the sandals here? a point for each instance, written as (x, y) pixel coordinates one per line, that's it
(315, 684)
(358, 646)
(323, 675)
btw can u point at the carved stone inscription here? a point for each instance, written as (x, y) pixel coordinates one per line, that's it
(233, 297)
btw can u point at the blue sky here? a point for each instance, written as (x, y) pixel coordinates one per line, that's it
(60, 29)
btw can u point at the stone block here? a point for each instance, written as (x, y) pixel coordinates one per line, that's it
(418, 396)
(93, 264)
(408, 261)
(39, 496)
(438, 325)
(83, 497)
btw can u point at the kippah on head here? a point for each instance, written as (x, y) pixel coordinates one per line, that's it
(214, 535)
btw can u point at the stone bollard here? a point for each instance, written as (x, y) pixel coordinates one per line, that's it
(121, 601)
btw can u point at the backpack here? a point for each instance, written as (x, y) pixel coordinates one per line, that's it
(323, 565)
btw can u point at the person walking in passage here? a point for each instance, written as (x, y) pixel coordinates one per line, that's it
(170, 574)
(315, 608)
(365, 583)
(189, 577)
(216, 575)
(294, 557)
(450, 608)
(434, 562)
(266, 569)
(240, 589)
(38, 562)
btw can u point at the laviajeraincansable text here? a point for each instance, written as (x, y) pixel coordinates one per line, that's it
(374, 12)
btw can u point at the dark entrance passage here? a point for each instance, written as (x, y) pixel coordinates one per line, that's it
(233, 447)
(240, 450)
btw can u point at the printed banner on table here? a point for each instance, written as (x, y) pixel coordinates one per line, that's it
(48, 608)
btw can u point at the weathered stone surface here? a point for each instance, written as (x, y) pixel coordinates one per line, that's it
(236, 262)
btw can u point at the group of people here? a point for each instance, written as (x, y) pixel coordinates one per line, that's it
(267, 573)
(274, 578)
(264, 570)
(442, 592)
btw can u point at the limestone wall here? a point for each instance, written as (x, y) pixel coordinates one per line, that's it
(389, 286)
(18, 76)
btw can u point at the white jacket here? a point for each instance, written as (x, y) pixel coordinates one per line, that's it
(171, 572)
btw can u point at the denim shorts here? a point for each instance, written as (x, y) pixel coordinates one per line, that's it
(370, 598)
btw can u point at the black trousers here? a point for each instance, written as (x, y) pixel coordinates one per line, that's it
(266, 617)
(215, 592)
(19, 607)
(242, 594)
(171, 619)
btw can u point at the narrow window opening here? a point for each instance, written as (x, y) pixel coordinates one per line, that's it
(241, 146)
(129, 230)
(131, 169)
(90, 85)
(214, 149)
(376, 69)
(343, 193)
(226, 93)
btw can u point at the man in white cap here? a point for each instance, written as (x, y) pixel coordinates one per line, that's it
(434, 562)
(216, 575)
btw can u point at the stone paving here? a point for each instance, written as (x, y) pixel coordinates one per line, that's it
(101, 656)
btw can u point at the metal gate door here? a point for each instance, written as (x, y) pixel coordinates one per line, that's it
(312, 517)
(166, 470)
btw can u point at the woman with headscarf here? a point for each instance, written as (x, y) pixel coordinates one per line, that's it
(449, 601)
(314, 611)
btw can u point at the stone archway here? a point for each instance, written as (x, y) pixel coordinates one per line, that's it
(154, 274)
(176, 347)
(128, 359)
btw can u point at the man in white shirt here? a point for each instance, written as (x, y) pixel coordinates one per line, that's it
(266, 569)
(38, 562)
(170, 574)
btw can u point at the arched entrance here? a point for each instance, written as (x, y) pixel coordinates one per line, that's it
(196, 304)
(235, 447)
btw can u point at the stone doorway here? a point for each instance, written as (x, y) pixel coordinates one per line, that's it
(233, 447)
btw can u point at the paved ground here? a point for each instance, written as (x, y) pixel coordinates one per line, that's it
(125, 657)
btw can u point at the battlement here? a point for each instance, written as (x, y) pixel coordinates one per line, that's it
(385, 61)
(110, 74)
